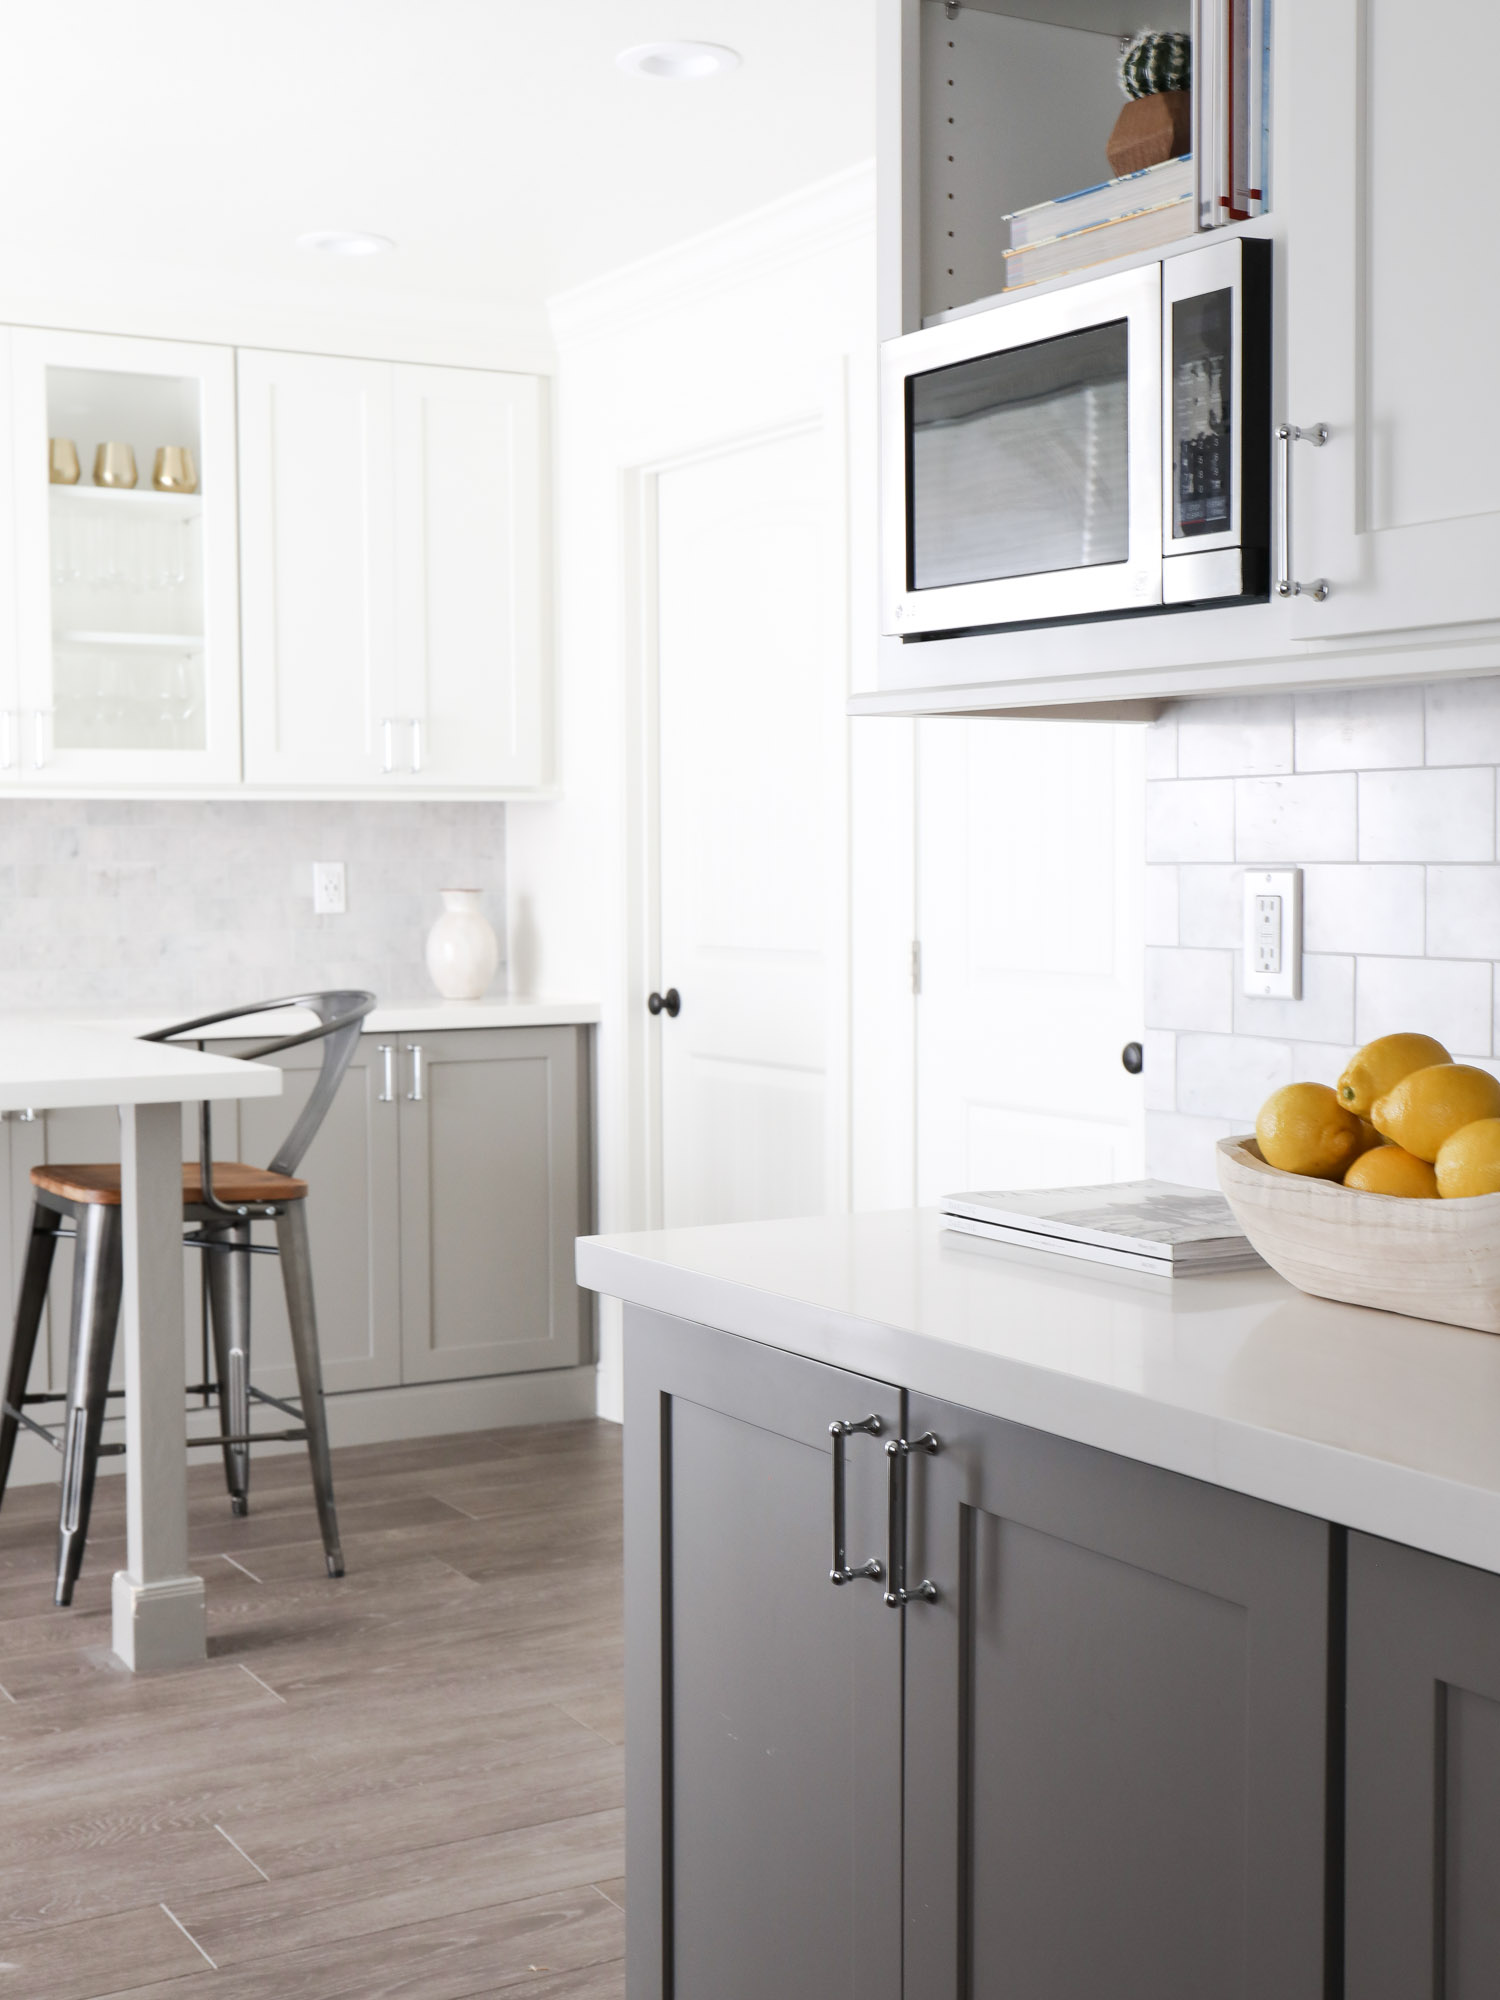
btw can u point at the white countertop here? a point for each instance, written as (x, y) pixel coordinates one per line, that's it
(45, 1066)
(1382, 1423)
(415, 1017)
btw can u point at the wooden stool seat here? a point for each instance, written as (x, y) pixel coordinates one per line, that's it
(239, 1185)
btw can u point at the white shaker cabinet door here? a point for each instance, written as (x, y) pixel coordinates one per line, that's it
(317, 570)
(469, 579)
(1393, 300)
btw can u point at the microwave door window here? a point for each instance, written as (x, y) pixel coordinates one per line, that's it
(1202, 392)
(1019, 461)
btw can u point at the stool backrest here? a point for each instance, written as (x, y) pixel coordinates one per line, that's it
(340, 1015)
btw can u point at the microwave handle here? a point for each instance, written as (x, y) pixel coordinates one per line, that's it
(1286, 436)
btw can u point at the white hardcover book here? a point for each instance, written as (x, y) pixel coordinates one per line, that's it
(1148, 1225)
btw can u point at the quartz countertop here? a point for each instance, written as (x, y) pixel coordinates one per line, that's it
(1382, 1423)
(47, 1066)
(411, 1017)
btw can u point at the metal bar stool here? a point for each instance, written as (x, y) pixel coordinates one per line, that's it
(220, 1201)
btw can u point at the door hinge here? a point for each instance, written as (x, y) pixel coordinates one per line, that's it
(916, 966)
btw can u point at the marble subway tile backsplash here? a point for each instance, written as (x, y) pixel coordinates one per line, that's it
(179, 908)
(1387, 799)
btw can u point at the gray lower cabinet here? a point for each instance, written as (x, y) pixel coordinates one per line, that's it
(447, 1185)
(494, 1188)
(1116, 1727)
(1096, 1764)
(1423, 1748)
(763, 1739)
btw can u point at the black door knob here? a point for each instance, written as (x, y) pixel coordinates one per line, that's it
(669, 1003)
(1133, 1056)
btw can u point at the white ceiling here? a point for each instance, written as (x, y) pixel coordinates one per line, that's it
(494, 140)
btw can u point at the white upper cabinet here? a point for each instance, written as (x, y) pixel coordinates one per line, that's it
(1393, 303)
(317, 506)
(1384, 301)
(392, 575)
(126, 658)
(469, 555)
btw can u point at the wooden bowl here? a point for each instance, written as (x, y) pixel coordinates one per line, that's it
(1433, 1259)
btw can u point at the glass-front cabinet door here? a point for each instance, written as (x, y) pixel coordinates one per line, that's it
(126, 574)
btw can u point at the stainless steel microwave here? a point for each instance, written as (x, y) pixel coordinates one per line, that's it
(1094, 451)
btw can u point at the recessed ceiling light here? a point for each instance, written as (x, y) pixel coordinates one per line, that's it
(678, 62)
(345, 242)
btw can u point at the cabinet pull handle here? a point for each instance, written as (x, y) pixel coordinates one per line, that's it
(416, 743)
(841, 1572)
(897, 1452)
(1286, 436)
(388, 1076)
(387, 745)
(414, 1050)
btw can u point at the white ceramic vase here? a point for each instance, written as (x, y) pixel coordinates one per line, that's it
(462, 949)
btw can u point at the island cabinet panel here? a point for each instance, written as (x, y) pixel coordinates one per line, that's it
(763, 1705)
(1423, 1917)
(1116, 1727)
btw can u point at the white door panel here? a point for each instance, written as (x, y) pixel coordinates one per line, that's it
(1029, 899)
(469, 577)
(750, 655)
(317, 563)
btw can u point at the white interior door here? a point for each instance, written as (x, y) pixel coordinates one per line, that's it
(750, 606)
(469, 512)
(1030, 882)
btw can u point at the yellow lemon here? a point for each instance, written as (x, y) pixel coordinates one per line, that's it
(1469, 1161)
(1392, 1170)
(1303, 1129)
(1431, 1104)
(1379, 1066)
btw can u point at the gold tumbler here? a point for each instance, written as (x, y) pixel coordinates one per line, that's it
(62, 462)
(174, 471)
(114, 465)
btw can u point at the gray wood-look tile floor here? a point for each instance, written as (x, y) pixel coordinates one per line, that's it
(405, 1785)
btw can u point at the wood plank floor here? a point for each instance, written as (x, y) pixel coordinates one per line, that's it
(406, 1785)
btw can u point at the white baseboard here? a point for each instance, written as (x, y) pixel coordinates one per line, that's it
(379, 1416)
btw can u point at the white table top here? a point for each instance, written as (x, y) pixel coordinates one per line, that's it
(410, 1017)
(1382, 1423)
(45, 1066)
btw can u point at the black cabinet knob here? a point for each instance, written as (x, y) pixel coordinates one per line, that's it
(1133, 1056)
(669, 1003)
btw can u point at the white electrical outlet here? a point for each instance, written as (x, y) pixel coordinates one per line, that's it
(1273, 933)
(328, 889)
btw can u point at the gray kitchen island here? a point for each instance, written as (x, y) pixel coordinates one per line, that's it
(1164, 1660)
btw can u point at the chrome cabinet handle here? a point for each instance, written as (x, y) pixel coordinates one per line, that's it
(388, 1074)
(897, 1453)
(387, 745)
(414, 1050)
(841, 1572)
(1286, 436)
(416, 743)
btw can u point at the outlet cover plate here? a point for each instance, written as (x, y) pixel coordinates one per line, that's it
(1273, 933)
(328, 889)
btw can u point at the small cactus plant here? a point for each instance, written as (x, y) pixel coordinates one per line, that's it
(1151, 63)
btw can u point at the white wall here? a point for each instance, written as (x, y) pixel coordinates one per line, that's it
(1386, 798)
(721, 337)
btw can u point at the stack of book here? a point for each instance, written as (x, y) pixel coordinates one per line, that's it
(1231, 108)
(1136, 212)
(1137, 1225)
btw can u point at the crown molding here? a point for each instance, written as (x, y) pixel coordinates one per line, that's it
(818, 218)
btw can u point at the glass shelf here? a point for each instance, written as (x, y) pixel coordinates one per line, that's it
(185, 504)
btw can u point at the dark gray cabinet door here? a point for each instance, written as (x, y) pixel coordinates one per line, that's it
(1115, 1728)
(1423, 1756)
(495, 1186)
(763, 1705)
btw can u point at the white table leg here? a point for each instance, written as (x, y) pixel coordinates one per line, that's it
(158, 1602)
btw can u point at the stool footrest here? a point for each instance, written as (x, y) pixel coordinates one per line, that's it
(244, 1437)
(31, 1424)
